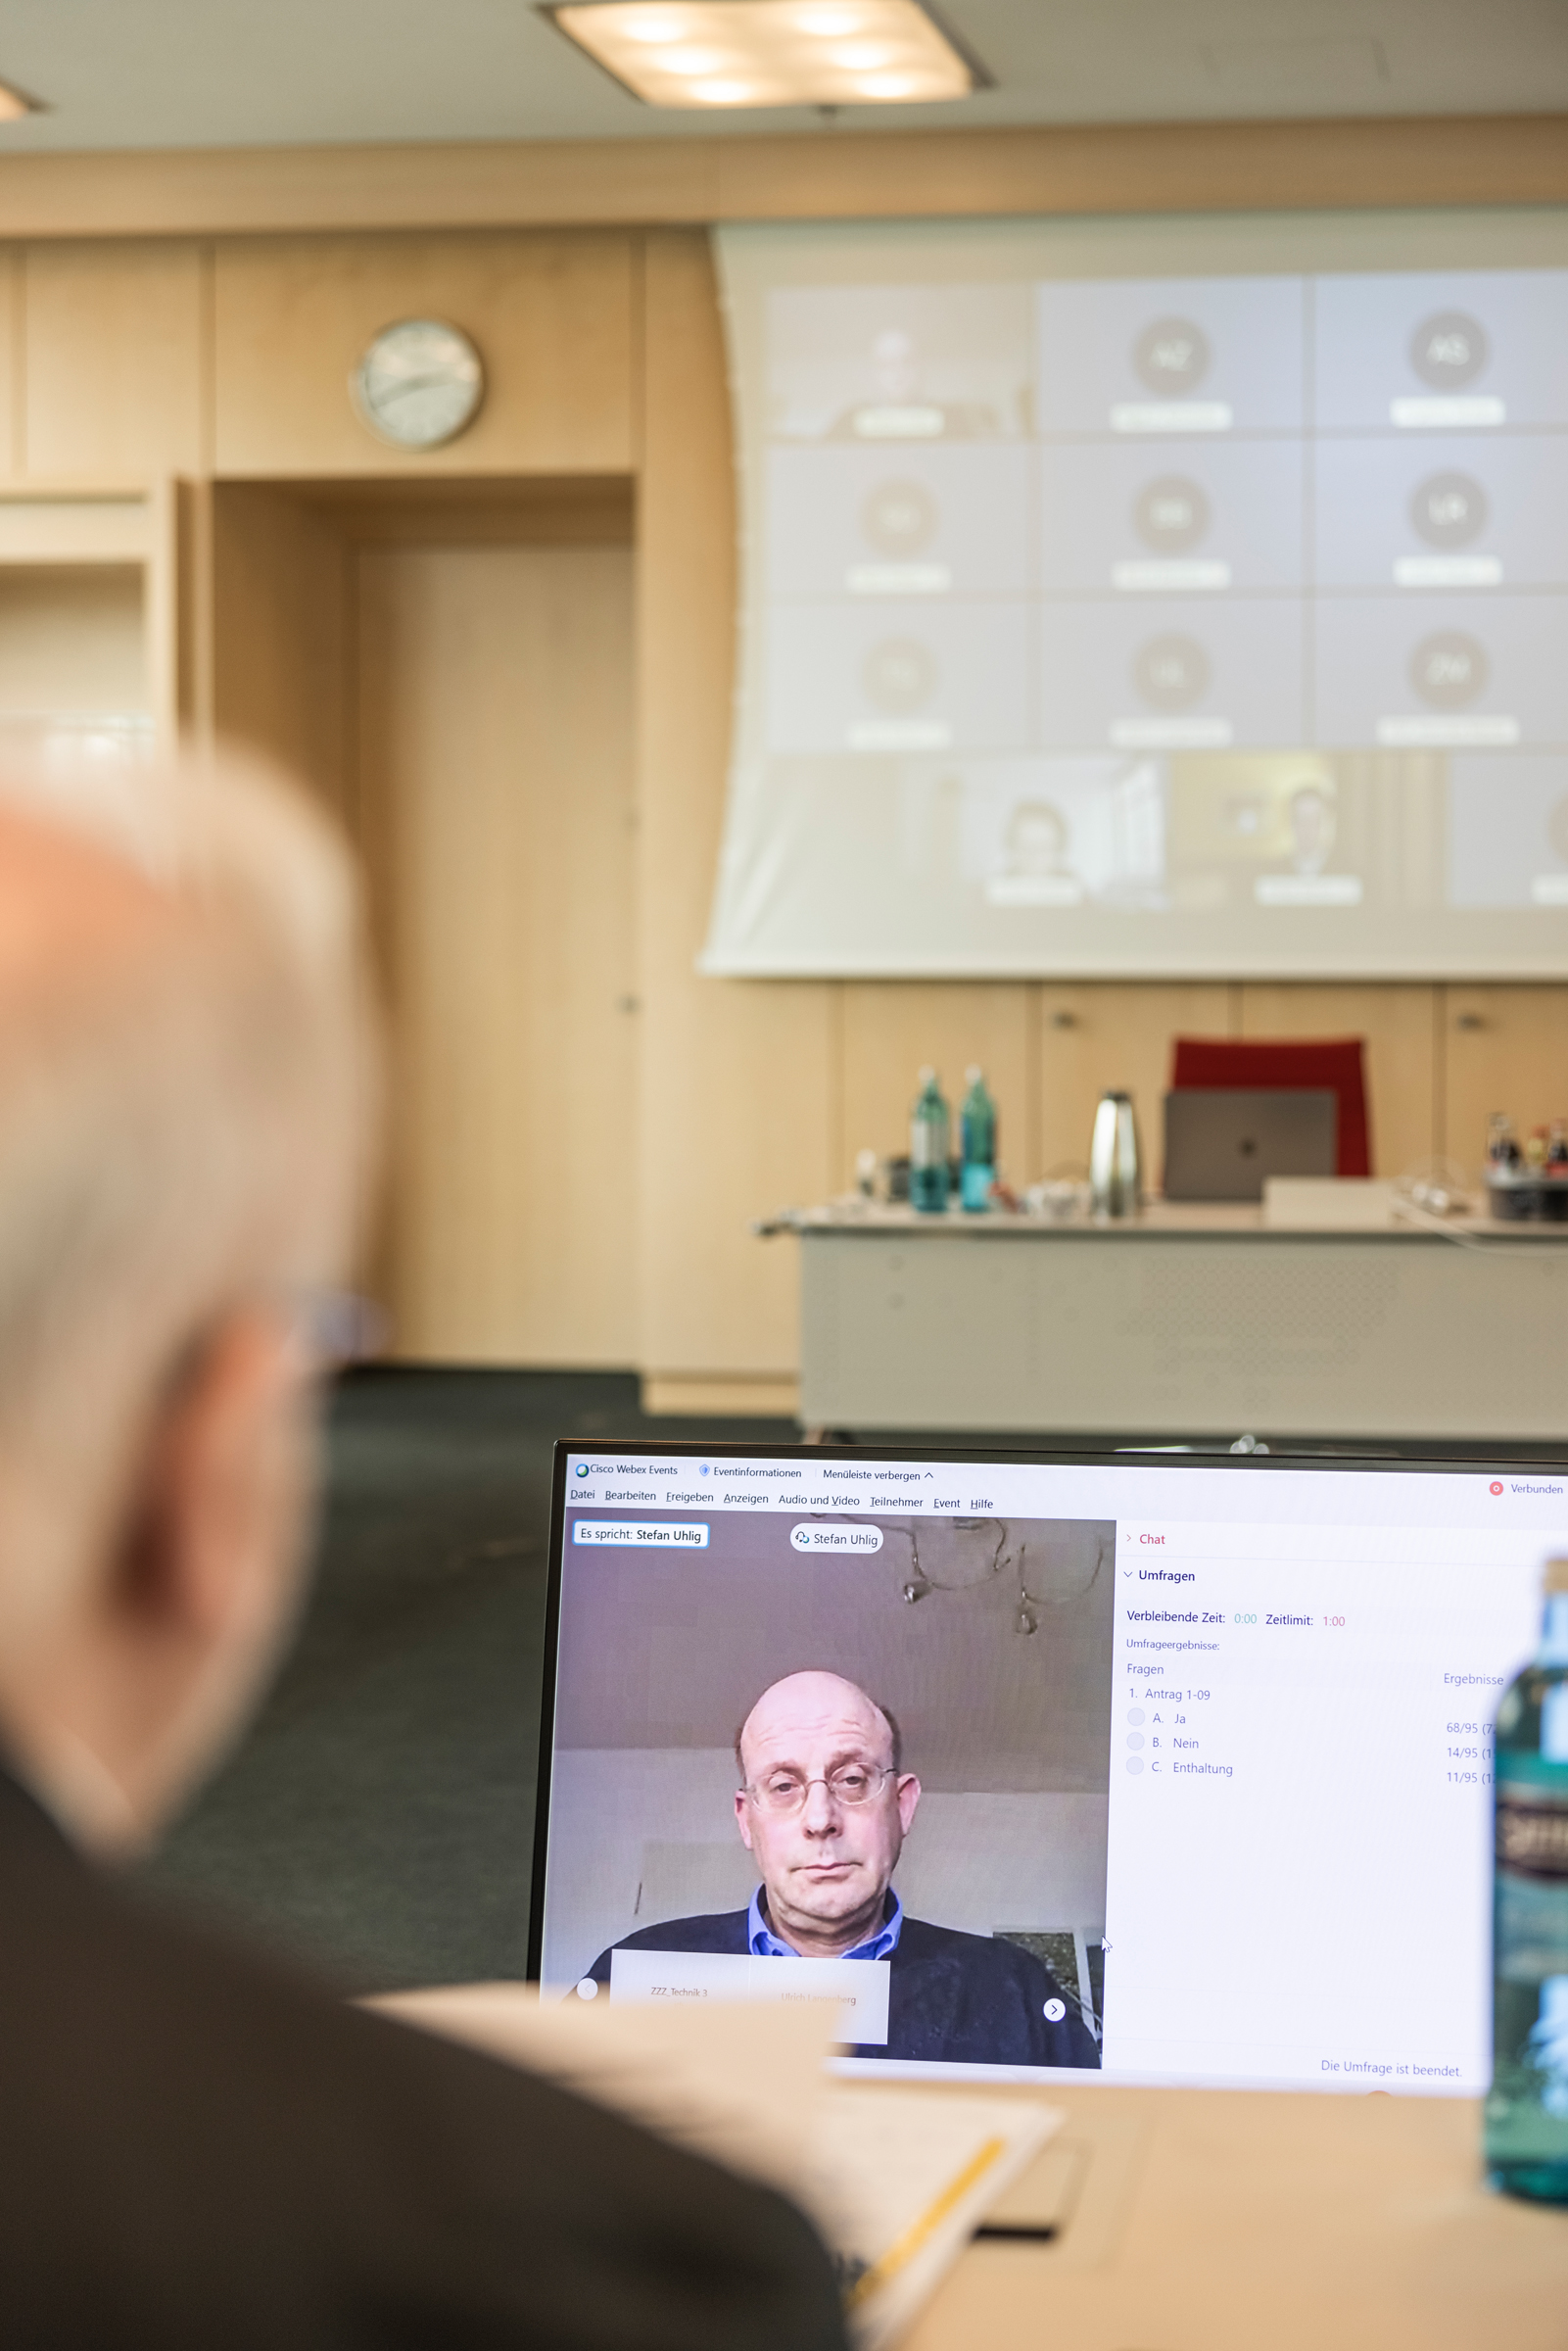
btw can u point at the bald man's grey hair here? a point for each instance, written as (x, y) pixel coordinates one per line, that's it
(186, 1094)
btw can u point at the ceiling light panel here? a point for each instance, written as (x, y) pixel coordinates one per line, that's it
(700, 54)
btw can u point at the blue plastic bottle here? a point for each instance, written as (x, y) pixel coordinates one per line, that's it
(1527, 2110)
(976, 1127)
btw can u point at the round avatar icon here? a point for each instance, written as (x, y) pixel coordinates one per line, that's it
(898, 675)
(1172, 356)
(1449, 350)
(1171, 515)
(1171, 672)
(1449, 510)
(1449, 669)
(899, 518)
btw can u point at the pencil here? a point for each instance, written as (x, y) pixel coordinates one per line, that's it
(904, 2249)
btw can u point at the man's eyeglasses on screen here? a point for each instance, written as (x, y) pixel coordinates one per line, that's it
(850, 1784)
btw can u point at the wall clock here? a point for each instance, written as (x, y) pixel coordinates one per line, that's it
(419, 383)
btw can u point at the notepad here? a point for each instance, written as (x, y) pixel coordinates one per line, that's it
(896, 2178)
(898, 2181)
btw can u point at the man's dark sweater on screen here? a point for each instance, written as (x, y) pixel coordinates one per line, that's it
(953, 1998)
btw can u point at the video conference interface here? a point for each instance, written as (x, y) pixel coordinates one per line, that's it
(1172, 1773)
(1189, 616)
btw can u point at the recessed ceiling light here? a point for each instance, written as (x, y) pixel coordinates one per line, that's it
(701, 62)
(15, 103)
(690, 53)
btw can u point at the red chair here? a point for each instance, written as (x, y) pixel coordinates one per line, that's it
(1287, 1064)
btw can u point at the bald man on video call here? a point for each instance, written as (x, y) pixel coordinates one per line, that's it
(824, 1805)
(199, 2147)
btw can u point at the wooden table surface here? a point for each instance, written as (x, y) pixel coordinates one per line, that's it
(1158, 1220)
(1245, 2221)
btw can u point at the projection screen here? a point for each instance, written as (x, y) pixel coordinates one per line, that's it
(1150, 597)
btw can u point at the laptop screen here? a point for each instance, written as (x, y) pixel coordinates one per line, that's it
(1166, 1770)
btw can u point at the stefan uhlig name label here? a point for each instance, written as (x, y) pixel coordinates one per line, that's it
(817, 1537)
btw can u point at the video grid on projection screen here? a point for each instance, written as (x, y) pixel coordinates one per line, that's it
(1180, 598)
(998, 1671)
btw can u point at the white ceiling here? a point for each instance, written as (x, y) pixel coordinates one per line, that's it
(232, 72)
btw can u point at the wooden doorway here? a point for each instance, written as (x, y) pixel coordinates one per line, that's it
(494, 758)
(452, 665)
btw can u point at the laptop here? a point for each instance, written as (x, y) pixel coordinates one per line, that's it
(1172, 1768)
(1222, 1142)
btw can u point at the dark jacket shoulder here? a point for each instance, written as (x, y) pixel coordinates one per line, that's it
(197, 2146)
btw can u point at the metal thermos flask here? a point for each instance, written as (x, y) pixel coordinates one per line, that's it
(1115, 1172)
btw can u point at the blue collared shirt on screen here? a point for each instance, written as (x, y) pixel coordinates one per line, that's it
(763, 1943)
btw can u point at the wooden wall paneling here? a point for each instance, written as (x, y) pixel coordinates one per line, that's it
(1111, 168)
(1114, 1034)
(193, 610)
(12, 334)
(280, 645)
(73, 638)
(1400, 1026)
(496, 746)
(87, 594)
(550, 312)
(104, 523)
(1057, 168)
(567, 509)
(162, 619)
(890, 1029)
(1505, 1048)
(112, 360)
(738, 1076)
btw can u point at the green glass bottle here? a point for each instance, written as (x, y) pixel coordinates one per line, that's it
(930, 1142)
(1527, 2109)
(976, 1129)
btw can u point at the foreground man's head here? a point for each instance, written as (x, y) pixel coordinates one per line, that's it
(183, 1101)
(195, 2148)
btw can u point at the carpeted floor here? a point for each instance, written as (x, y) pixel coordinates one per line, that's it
(379, 1816)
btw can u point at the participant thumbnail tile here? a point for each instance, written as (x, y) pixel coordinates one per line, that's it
(898, 364)
(1149, 517)
(1441, 511)
(1273, 829)
(910, 520)
(1055, 833)
(1435, 351)
(1435, 673)
(1508, 829)
(886, 676)
(1170, 355)
(1161, 674)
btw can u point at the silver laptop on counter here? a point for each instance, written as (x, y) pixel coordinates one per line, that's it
(1222, 1142)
